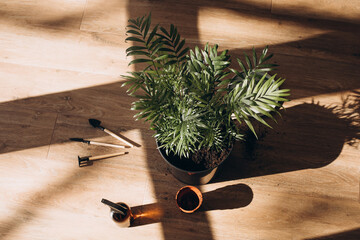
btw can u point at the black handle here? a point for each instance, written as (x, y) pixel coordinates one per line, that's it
(116, 207)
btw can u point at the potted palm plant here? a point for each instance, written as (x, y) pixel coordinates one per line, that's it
(193, 100)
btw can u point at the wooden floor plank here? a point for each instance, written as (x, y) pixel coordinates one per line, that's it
(60, 64)
(235, 27)
(111, 16)
(63, 50)
(30, 83)
(25, 128)
(50, 14)
(347, 11)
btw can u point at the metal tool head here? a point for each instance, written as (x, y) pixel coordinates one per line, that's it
(95, 123)
(84, 161)
(76, 139)
(79, 140)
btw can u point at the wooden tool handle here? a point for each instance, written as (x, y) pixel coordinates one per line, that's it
(118, 137)
(106, 156)
(106, 144)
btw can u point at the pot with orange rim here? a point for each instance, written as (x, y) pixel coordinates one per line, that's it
(189, 199)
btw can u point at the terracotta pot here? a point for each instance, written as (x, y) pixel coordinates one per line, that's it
(189, 199)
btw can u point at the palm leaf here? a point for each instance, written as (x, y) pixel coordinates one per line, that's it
(254, 57)
(241, 65)
(147, 25)
(152, 34)
(140, 60)
(248, 62)
(134, 39)
(135, 48)
(133, 32)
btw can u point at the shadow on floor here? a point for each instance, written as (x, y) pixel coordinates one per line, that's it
(348, 235)
(166, 12)
(31, 121)
(308, 136)
(229, 197)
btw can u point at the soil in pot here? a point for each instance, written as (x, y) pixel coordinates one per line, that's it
(209, 159)
(199, 161)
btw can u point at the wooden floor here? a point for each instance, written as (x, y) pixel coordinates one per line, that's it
(60, 63)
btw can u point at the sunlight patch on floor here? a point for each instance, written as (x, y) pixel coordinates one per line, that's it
(245, 31)
(20, 82)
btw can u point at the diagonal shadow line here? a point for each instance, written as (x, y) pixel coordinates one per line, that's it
(284, 149)
(352, 234)
(168, 227)
(55, 101)
(30, 208)
(156, 176)
(245, 7)
(251, 10)
(93, 106)
(133, 12)
(60, 23)
(72, 103)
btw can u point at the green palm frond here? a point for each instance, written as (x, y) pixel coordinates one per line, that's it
(189, 96)
(257, 98)
(255, 67)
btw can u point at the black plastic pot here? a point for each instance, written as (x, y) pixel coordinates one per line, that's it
(186, 171)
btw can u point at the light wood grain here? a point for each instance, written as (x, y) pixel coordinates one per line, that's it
(49, 14)
(33, 79)
(99, 15)
(72, 50)
(60, 64)
(345, 10)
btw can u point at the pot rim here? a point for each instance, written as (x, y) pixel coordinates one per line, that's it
(198, 194)
(186, 171)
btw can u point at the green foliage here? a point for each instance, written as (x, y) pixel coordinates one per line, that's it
(189, 97)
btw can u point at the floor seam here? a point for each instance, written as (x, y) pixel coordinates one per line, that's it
(83, 14)
(52, 136)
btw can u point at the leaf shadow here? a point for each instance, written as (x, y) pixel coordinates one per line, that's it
(308, 136)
